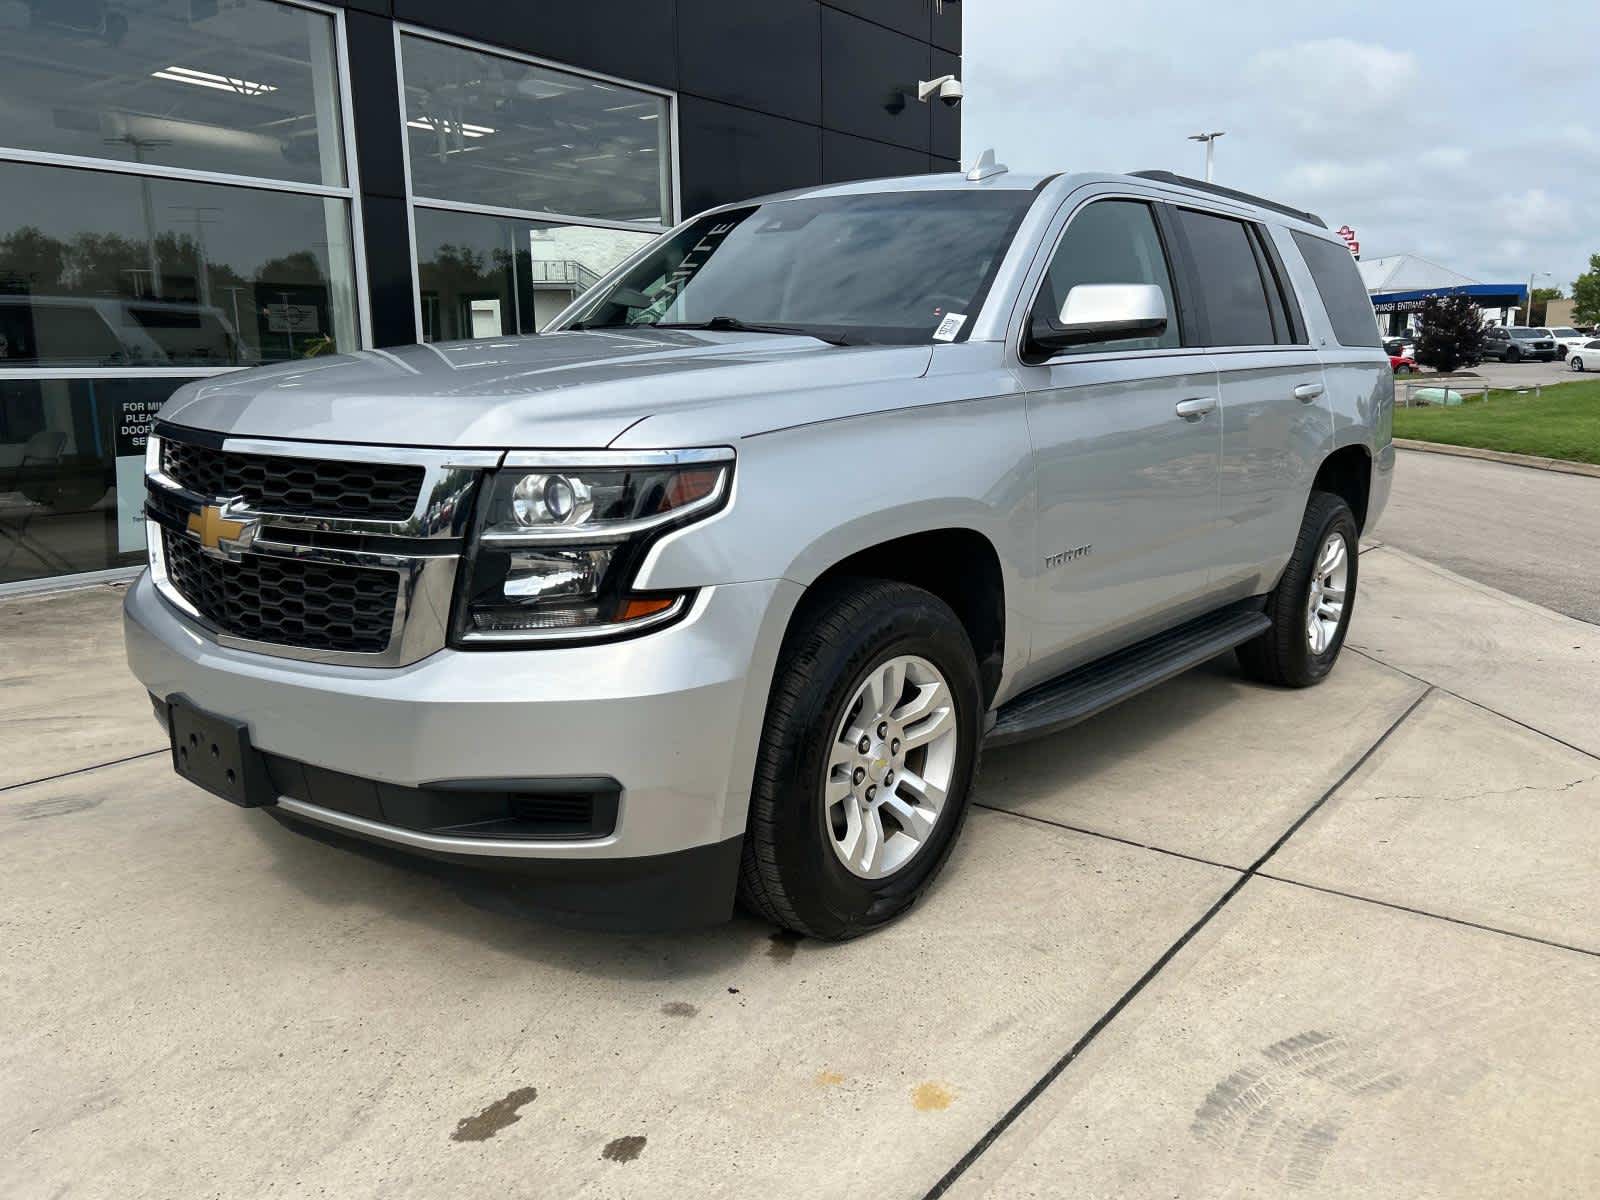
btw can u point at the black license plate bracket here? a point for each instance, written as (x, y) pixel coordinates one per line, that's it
(215, 753)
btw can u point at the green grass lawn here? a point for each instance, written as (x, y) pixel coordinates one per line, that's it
(1563, 423)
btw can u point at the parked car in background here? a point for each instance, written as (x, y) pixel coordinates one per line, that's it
(1517, 342)
(1402, 345)
(1585, 357)
(1402, 364)
(1566, 338)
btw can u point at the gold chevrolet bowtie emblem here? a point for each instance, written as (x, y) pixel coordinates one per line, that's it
(212, 528)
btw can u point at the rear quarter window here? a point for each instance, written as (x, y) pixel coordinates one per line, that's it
(1343, 295)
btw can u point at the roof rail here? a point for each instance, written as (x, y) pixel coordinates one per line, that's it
(1200, 185)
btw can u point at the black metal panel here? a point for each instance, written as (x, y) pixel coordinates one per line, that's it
(731, 153)
(632, 39)
(375, 104)
(869, 81)
(945, 164)
(381, 8)
(845, 157)
(907, 16)
(387, 237)
(947, 25)
(765, 56)
(946, 141)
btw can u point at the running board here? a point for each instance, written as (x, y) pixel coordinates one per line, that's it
(1095, 687)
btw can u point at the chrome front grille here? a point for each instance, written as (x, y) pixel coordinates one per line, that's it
(287, 601)
(308, 486)
(339, 554)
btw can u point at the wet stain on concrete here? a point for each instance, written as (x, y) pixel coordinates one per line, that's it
(624, 1149)
(829, 1078)
(56, 806)
(931, 1097)
(484, 1125)
(679, 1008)
(781, 945)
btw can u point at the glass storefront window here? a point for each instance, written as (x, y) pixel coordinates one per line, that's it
(246, 87)
(492, 276)
(106, 270)
(72, 473)
(494, 131)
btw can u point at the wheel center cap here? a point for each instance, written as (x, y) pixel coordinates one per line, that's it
(878, 764)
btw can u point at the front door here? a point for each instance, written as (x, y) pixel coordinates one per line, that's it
(1127, 440)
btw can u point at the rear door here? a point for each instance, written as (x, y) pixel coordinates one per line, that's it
(1275, 421)
(1126, 444)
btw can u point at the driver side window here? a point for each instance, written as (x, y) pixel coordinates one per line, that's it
(1110, 241)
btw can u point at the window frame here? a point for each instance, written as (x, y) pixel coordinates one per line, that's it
(1270, 271)
(349, 193)
(403, 29)
(1184, 314)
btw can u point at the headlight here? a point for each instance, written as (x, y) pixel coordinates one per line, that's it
(560, 539)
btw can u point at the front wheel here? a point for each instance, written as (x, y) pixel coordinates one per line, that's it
(1311, 606)
(1512, 355)
(869, 750)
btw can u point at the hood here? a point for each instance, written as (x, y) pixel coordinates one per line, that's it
(574, 389)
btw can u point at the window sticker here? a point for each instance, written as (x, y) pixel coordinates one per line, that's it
(949, 327)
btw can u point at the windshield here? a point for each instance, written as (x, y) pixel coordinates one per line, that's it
(1521, 331)
(884, 267)
(1565, 331)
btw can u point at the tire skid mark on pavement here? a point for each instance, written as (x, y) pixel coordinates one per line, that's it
(1042, 1084)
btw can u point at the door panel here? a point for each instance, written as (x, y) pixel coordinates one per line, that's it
(1272, 440)
(1127, 494)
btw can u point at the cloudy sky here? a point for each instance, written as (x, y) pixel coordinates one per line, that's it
(1466, 132)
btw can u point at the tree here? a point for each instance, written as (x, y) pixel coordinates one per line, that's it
(1452, 333)
(1586, 294)
(1539, 304)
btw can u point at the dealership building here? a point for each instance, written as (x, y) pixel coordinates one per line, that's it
(190, 187)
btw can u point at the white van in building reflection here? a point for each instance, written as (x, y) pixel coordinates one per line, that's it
(93, 331)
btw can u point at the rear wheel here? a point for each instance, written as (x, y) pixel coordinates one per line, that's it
(1575, 363)
(869, 751)
(1311, 606)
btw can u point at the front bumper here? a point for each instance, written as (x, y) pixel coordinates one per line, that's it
(673, 716)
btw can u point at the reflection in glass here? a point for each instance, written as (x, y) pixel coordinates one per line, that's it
(99, 269)
(247, 87)
(72, 473)
(493, 276)
(489, 130)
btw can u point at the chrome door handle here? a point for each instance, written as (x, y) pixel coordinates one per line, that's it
(1194, 409)
(1307, 392)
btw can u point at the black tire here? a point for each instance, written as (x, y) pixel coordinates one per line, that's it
(790, 874)
(1512, 355)
(1282, 655)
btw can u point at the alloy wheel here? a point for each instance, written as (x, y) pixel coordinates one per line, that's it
(890, 767)
(1325, 604)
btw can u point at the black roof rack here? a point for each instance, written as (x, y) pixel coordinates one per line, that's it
(1201, 185)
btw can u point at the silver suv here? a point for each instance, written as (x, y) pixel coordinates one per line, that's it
(718, 586)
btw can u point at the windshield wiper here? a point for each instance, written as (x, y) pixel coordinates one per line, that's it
(735, 325)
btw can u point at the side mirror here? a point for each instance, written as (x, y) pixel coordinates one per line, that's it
(1104, 312)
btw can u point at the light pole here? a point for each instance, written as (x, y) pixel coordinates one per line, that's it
(1210, 139)
(1531, 278)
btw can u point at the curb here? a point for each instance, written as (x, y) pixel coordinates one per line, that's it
(1558, 465)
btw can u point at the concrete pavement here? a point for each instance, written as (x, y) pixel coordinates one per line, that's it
(1535, 534)
(1223, 941)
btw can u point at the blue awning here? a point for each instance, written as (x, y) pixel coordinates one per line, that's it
(1487, 295)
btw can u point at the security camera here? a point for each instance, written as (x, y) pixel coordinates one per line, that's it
(947, 87)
